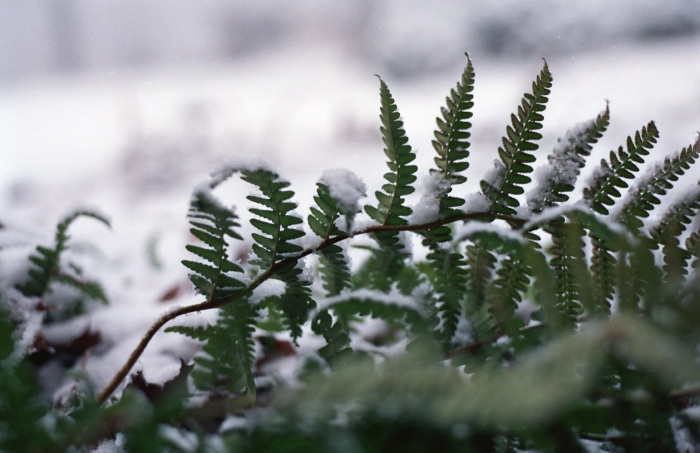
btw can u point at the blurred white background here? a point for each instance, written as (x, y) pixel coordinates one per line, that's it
(149, 95)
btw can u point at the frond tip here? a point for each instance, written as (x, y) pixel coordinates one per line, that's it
(392, 209)
(512, 171)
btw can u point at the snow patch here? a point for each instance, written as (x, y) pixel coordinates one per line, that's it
(346, 188)
(225, 170)
(428, 207)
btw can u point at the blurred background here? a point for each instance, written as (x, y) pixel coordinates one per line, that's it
(111, 101)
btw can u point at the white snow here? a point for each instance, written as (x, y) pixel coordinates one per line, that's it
(346, 188)
(393, 298)
(428, 207)
(225, 170)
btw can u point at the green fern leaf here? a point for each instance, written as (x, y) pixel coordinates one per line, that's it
(392, 209)
(46, 261)
(334, 270)
(333, 264)
(511, 171)
(566, 160)
(277, 222)
(336, 335)
(644, 197)
(449, 276)
(213, 224)
(611, 176)
(452, 139)
(296, 301)
(226, 363)
(667, 233)
(573, 282)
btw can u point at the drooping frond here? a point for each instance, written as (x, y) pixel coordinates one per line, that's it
(512, 170)
(452, 138)
(296, 301)
(213, 275)
(225, 365)
(644, 197)
(448, 275)
(481, 265)
(336, 336)
(391, 209)
(566, 160)
(512, 274)
(667, 232)
(226, 362)
(610, 176)
(46, 263)
(333, 263)
(334, 269)
(276, 223)
(573, 282)
(692, 244)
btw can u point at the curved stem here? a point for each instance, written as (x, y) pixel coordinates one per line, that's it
(208, 305)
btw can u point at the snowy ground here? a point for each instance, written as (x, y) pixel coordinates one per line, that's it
(134, 144)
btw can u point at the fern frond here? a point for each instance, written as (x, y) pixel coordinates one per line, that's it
(506, 291)
(334, 269)
(603, 188)
(511, 172)
(644, 197)
(226, 363)
(449, 276)
(566, 160)
(667, 232)
(296, 301)
(481, 266)
(511, 278)
(336, 336)
(46, 262)
(276, 223)
(452, 138)
(213, 224)
(573, 283)
(333, 265)
(391, 209)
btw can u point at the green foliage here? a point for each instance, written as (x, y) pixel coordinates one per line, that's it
(47, 270)
(511, 172)
(525, 321)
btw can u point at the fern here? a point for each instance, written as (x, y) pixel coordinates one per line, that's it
(213, 224)
(226, 364)
(391, 209)
(511, 172)
(666, 233)
(47, 269)
(452, 139)
(333, 265)
(645, 195)
(561, 314)
(603, 188)
(277, 223)
(449, 275)
(565, 163)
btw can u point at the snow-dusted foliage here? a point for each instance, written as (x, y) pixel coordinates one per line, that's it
(519, 319)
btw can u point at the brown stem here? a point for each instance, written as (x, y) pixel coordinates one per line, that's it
(208, 305)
